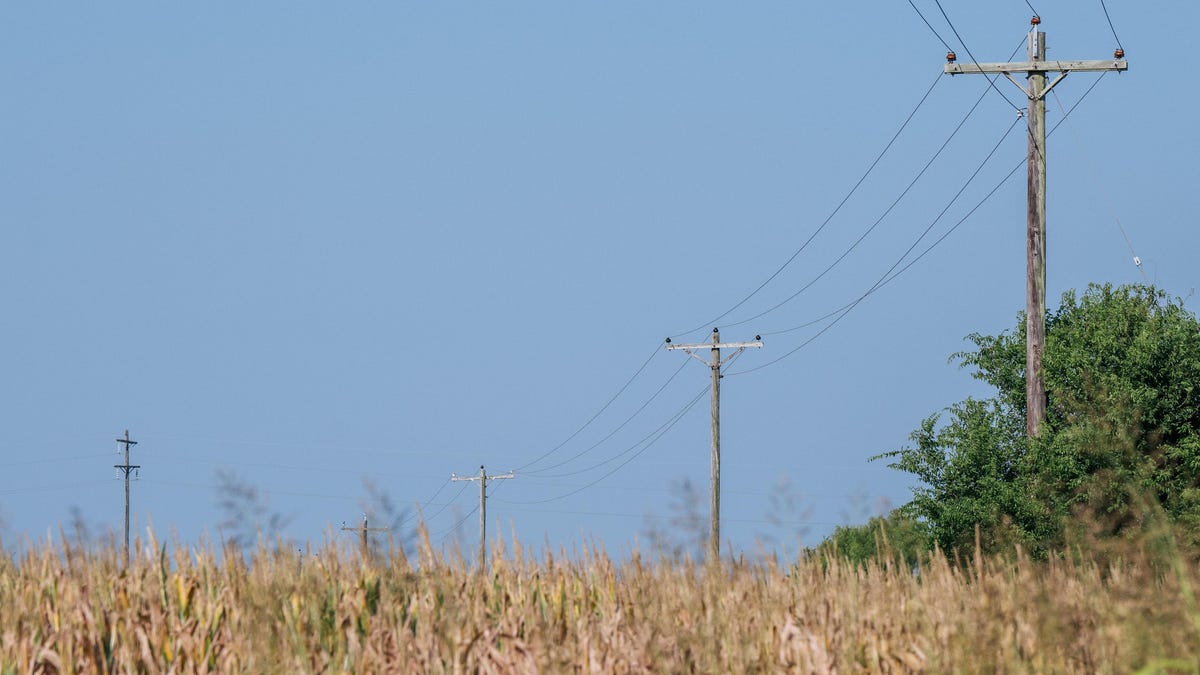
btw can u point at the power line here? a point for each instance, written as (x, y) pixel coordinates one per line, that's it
(891, 207)
(821, 227)
(614, 431)
(862, 297)
(845, 308)
(593, 417)
(1110, 25)
(991, 82)
(930, 26)
(647, 439)
(664, 431)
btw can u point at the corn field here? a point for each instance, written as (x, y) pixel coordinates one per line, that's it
(178, 609)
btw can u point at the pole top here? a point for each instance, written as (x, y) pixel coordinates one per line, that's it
(1035, 20)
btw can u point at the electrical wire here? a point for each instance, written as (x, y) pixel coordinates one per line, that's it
(614, 431)
(588, 423)
(898, 262)
(446, 532)
(452, 500)
(1107, 199)
(845, 308)
(891, 207)
(645, 439)
(930, 26)
(1030, 6)
(824, 223)
(426, 502)
(968, 50)
(1110, 25)
(622, 465)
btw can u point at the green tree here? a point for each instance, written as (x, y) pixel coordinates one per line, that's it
(1122, 370)
(894, 536)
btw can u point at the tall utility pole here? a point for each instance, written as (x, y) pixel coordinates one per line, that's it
(126, 468)
(483, 478)
(1035, 69)
(366, 551)
(715, 363)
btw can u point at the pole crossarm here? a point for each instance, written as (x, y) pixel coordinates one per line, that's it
(714, 347)
(691, 349)
(483, 477)
(1036, 67)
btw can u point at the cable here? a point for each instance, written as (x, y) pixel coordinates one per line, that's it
(448, 503)
(627, 451)
(968, 50)
(626, 462)
(446, 532)
(930, 26)
(1107, 200)
(619, 427)
(828, 218)
(1110, 25)
(426, 502)
(598, 413)
(1030, 6)
(899, 260)
(873, 225)
(647, 438)
(937, 241)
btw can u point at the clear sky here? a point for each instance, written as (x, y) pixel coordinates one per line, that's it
(315, 243)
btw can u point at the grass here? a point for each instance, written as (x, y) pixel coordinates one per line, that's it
(66, 609)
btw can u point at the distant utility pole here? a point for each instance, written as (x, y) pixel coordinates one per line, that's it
(126, 468)
(483, 478)
(363, 530)
(714, 515)
(1035, 69)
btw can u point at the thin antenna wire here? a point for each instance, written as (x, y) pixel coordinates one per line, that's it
(1107, 199)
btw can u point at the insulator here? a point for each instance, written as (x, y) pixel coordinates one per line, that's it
(1119, 53)
(1035, 20)
(951, 57)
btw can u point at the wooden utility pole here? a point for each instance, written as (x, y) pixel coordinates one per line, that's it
(127, 468)
(483, 478)
(1035, 69)
(714, 363)
(363, 530)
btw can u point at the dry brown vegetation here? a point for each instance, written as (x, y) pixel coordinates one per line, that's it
(67, 609)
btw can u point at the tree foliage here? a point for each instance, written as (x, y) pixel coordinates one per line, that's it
(891, 537)
(1122, 436)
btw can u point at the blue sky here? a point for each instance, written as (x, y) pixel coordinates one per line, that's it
(312, 244)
